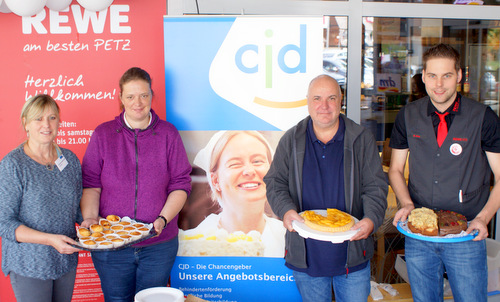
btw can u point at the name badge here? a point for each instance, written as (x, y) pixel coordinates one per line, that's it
(61, 162)
(456, 149)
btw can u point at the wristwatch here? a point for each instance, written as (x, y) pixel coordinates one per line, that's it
(164, 220)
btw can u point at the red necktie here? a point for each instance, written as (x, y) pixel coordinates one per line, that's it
(442, 128)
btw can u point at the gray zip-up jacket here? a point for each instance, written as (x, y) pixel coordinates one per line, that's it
(365, 186)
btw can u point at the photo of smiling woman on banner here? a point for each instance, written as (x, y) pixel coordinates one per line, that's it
(235, 163)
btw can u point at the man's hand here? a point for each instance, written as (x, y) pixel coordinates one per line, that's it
(290, 216)
(402, 214)
(365, 227)
(479, 225)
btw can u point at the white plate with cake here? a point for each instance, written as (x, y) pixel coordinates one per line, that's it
(326, 225)
(435, 226)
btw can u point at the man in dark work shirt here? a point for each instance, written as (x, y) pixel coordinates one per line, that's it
(453, 144)
(328, 161)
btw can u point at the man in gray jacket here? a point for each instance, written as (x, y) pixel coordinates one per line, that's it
(328, 161)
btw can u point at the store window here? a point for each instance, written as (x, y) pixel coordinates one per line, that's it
(394, 52)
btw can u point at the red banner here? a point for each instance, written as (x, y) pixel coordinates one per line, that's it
(78, 57)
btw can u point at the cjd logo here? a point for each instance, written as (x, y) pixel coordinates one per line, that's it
(264, 56)
(264, 64)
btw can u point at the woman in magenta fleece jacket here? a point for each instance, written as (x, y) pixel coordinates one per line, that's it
(136, 166)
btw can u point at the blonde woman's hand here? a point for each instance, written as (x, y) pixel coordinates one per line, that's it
(62, 244)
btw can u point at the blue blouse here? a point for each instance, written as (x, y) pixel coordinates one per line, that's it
(41, 199)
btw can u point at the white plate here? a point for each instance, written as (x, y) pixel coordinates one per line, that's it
(159, 294)
(307, 232)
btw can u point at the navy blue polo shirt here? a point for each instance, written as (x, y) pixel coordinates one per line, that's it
(323, 187)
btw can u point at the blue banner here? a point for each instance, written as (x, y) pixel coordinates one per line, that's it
(235, 279)
(240, 73)
(236, 73)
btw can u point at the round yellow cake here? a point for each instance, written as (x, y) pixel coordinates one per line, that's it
(334, 221)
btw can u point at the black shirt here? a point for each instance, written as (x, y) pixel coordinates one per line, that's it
(490, 131)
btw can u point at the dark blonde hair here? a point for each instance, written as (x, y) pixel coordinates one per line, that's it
(36, 106)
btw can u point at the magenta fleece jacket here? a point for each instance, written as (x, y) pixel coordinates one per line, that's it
(136, 170)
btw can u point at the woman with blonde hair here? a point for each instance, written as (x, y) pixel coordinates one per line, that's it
(40, 190)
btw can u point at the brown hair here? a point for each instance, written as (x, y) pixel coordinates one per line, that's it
(35, 106)
(442, 51)
(132, 74)
(135, 73)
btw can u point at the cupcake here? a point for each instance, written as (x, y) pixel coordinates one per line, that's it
(136, 235)
(97, 234)
(126, 238)
(138, 225)
(122, 233)
(129, 228)
(96, 228)
(105, 245)
(99, 239)
(117, 227)
(108, 232)
(105, 223)
(89, 244)
(113, 219)
(117, 242)
(111, 237)
(83, 232)
(144, 231)
(125, 223)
